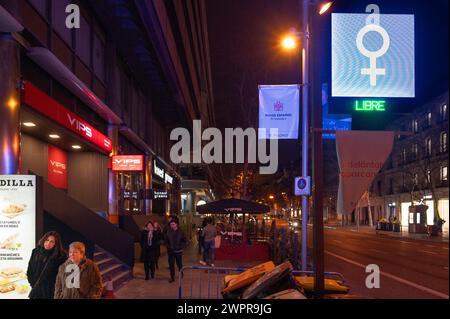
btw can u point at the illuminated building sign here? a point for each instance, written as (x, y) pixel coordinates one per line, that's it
(157, 194)
(373, 56)
(370, 106)
(158, 171)
(44, 104)
(128, 163)
(168, 178)
(17, 235)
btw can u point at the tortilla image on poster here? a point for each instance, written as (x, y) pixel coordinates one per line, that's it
(7, 288)
(11, 272)
(13, 210)
(272, 282)
(10, 243)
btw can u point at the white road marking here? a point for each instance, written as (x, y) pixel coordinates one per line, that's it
(337, 241)
(401, 280)
(446, 248)
(429, 246)
(405, 242)
(446, 268)
(429, 252)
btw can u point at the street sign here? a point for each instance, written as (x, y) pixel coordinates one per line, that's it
(373, 71)
(302, 186)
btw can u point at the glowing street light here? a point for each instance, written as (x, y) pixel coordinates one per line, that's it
(325, 7)
(289, 42)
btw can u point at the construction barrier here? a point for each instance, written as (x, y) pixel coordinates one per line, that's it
(203, 282)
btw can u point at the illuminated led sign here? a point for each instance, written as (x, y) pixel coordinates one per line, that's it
(128, 163)
(373, 58)
(158, 171)
(370, 106)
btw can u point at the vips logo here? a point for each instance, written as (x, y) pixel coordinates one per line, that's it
(58, 165)
(80, 126)
(128, 163)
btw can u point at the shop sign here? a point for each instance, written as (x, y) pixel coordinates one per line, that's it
(128, 163)
(17, 233)
(47, 106)
(168, 178)
(57, 167)
(158, 171)
(160, 194)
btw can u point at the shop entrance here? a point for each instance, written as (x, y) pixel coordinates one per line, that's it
(131, 199)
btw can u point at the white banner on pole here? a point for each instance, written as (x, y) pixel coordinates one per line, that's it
(279, 108)
(361, 155)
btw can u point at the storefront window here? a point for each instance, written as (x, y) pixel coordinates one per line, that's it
(131, 187)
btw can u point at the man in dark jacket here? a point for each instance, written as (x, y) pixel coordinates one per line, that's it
(175, 242)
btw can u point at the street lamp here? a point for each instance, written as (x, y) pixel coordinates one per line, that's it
(304, 35)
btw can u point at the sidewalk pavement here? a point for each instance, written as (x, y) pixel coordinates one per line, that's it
(404, 234)
(160, 288)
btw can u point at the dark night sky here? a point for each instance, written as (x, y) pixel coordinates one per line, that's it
(244, 36)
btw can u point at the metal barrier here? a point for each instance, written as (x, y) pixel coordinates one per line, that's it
(330, 274)
(212, 277)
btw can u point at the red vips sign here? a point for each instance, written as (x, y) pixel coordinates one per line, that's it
(44, 104)
(57, 167)
(128, 163)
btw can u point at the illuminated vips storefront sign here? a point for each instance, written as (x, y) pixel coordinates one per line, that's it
(57, 167)
(17, 233)
(44, 104)
(128, 163)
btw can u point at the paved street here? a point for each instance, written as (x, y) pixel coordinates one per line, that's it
(409, 268)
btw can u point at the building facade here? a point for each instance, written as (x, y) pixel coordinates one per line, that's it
(417, 170)
(75, 98)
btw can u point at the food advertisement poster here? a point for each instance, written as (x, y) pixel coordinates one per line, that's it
(17, 233)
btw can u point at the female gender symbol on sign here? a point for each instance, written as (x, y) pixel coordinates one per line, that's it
(373, 71)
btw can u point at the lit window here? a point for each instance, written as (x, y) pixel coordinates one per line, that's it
(429, 118)
(404, 155)
(444, 173)
(415, 150)
(443, 146)
(428, 146)
(428, 176)
(443, 112)
(415, 126)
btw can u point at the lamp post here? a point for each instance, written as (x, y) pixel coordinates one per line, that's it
(289, 43)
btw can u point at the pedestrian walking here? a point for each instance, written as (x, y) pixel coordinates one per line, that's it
(160, 238)
(43, 266)
(209, 234)
(175, 242)
(78, 277)
(149, 239)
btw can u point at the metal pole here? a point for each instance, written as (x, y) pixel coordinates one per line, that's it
(305, 126)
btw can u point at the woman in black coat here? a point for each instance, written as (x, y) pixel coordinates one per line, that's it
(43, 266)
(149, 243)
(160, 238)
